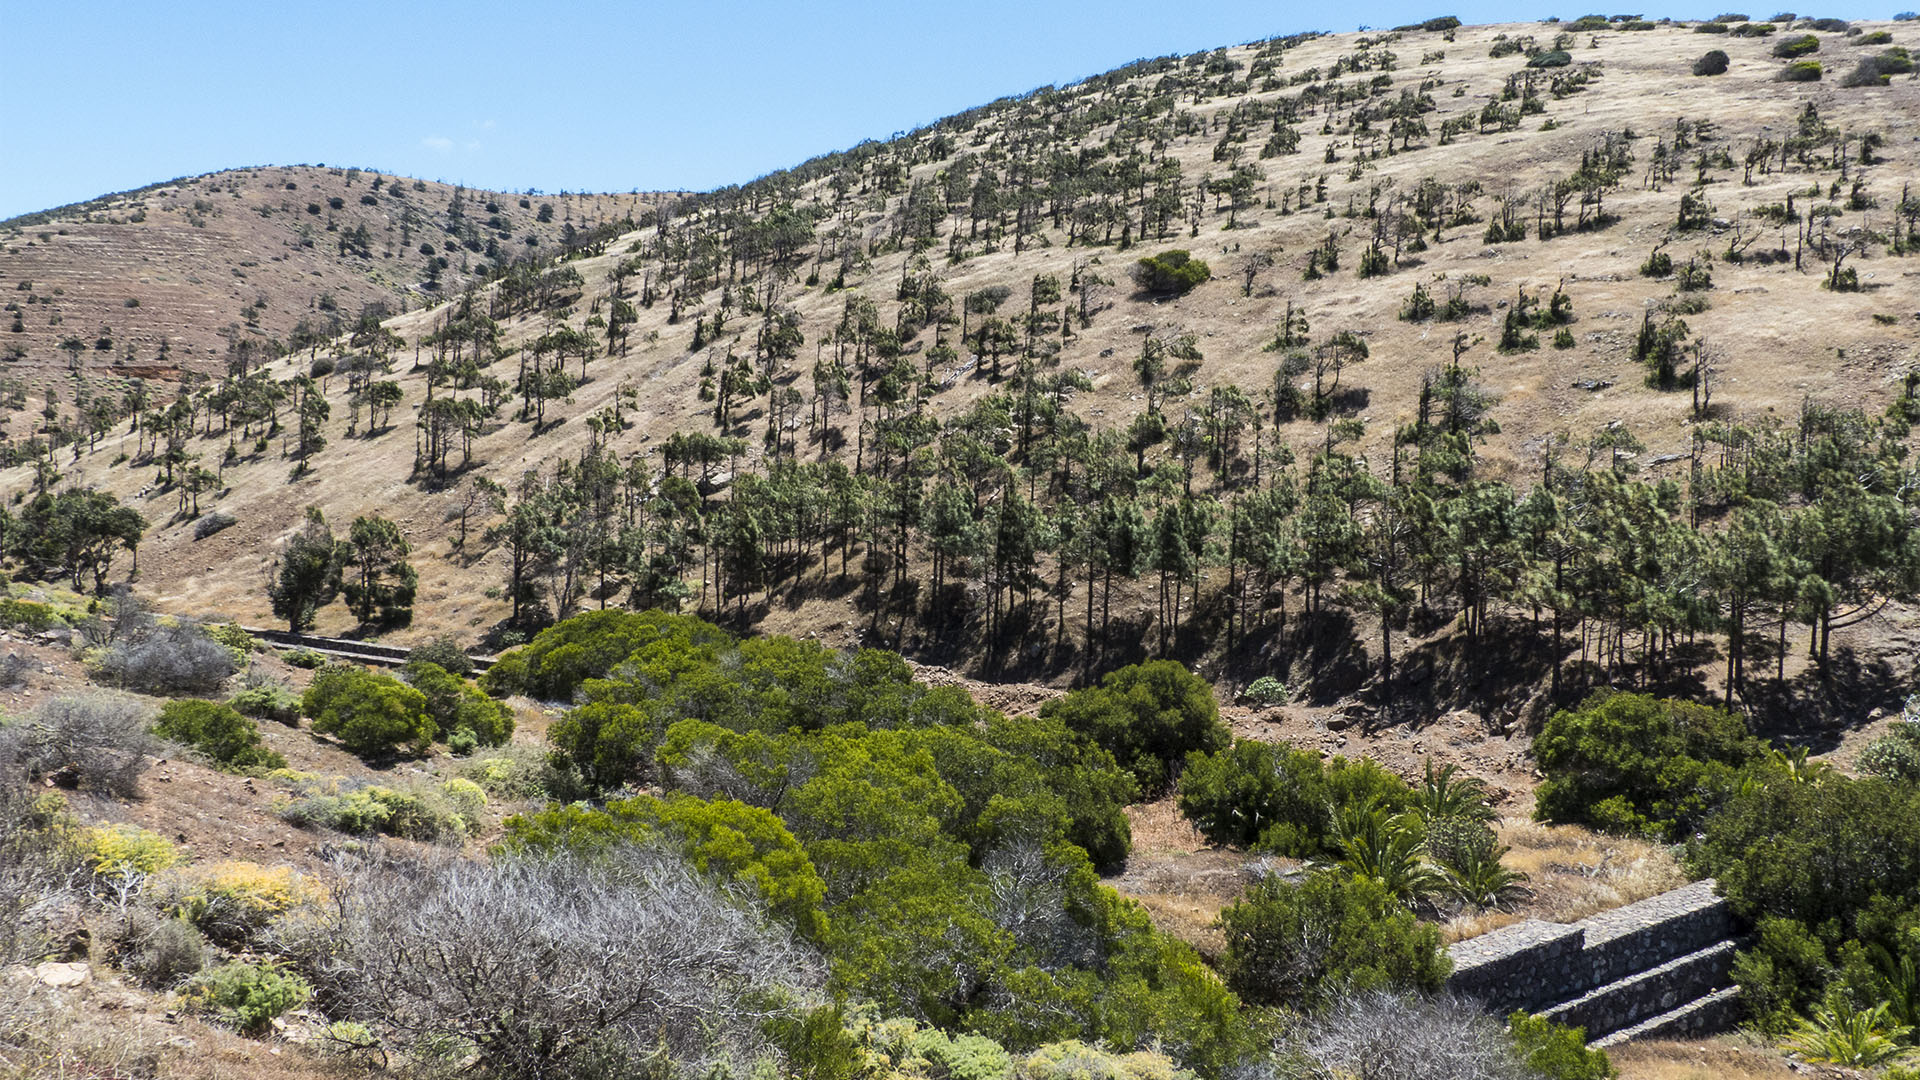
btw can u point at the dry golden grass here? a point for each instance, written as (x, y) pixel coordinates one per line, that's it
(1573, 873)
(1732, 1057)
(1180, 879)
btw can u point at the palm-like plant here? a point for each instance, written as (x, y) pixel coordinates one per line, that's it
(1446, 793)
(1389, 848)
(1475, 876)
(1858, 1038)
(1799, 770)
(1903, 984)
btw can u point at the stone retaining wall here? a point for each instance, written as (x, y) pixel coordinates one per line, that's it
(1609, 971)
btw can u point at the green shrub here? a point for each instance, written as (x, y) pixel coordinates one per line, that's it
(1713, 63)
(1895, 755)
(1877, 37)
(218, 731)
(1072, 1059)
(1658, 265)
(1794, 48)
(1295, 945)
(1754, 29)
(247, 996)
(446, 652)
(116, 849)
(456, 706)
(1781, 974)
(371, 714)
(516, 771)
(303, 658)
(275, 703)
(552, 666)
(1878, 70)
(1587, 24)
(27, 615)
(1148, 716)
(376, 809)
(237, 640)
(1266, 691)
(1169, 273)
(1814, 850)
(1639, 764)
(1276, 799)
(1258, 795)
(1801, 71)
(1554, 1051)
(737, 844)
(1710, 28)
(1558, 58)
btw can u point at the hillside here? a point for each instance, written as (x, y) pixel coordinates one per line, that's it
(1111, 583)
(879, 308)
(179, 275)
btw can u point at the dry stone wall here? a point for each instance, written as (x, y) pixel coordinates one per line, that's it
(1659, 966)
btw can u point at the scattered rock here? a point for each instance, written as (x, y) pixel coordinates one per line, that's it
(63, 975)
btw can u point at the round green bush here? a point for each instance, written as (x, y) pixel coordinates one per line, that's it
(455, 706)
(1895, 755)
(1170, 273)
(248, 996)
(218, 731)
(275, 703)
(1295, 945)
(1266, 691)
(1713, 63)
(1148, 716)
(1795, 47)
(1801, 71)
(371, 714)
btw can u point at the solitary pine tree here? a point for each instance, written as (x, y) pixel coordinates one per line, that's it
(305, 576)
(378, 579)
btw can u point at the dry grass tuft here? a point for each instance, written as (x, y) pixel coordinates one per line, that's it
(1574, 873)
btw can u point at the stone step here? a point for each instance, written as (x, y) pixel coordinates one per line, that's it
(1702, 1016)
(1624, 1002)
(1653, 931)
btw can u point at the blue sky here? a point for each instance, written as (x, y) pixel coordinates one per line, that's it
(601, 96)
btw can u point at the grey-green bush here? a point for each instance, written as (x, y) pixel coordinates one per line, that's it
(168, 658)
(96, 741)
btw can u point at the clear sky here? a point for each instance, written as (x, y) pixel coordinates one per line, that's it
(589, 96)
